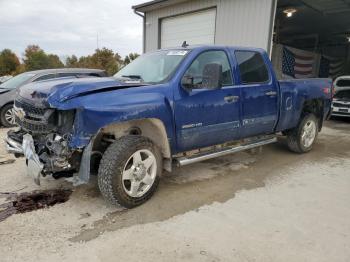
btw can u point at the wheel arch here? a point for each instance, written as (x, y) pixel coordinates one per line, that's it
(314, 106)
(152, 128)
(2, 108)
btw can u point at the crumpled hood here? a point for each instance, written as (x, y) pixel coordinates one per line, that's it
(64, 89)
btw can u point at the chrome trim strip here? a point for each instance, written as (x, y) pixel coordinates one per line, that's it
(345, 114)
(34, 167)
(13, 147)
(183, 161)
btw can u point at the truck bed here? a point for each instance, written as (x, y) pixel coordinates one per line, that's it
(293, 94)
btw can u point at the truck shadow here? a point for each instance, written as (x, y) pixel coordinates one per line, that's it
(192, 187)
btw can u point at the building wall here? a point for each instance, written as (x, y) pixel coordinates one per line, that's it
(238, 22)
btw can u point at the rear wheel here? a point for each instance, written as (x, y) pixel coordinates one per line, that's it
(129, 171)
(7, 116)
(302, 138)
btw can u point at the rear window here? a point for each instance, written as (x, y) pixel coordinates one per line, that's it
(252, 67)
(342, 94)
(343, 83)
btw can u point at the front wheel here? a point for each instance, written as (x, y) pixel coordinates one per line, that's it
(7, 116)
(302, 138)
(129, 171)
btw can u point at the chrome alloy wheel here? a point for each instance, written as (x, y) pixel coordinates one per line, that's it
(10, 116)
(308, 133)
(139, 173)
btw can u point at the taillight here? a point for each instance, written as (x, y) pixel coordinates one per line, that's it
(327, 90)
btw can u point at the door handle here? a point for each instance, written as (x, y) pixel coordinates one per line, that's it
(231, 99)
(271, 93)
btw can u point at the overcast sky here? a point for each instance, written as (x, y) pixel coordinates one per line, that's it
(66, 27)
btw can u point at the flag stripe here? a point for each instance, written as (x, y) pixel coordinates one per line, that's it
(297, 63)
(303, 65)
(303, 72)
(305, 58)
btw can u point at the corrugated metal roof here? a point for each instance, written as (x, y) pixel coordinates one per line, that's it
(329, 6)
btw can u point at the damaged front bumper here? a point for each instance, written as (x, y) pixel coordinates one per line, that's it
(13, 147)
(22, 144)
(27, 148)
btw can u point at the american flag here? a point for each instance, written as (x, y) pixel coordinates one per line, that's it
(331, 67)
(297, 63)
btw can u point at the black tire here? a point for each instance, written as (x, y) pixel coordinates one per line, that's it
(112, 165)
(3, 119)
(294, 136)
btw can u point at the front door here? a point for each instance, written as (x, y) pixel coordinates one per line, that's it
(207, 117)
(259, 95)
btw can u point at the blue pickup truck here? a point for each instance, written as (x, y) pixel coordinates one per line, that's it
(172, 106)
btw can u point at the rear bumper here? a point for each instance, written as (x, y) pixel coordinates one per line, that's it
(340, 111)
(341, 114)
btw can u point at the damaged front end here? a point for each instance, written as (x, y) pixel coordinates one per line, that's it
(43, 138)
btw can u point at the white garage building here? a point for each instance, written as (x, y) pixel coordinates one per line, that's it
(317, 30)
(169, 23)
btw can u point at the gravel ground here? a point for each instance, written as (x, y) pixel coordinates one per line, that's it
(275, 206)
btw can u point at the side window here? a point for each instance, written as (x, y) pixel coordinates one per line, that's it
(45, 77)
(66, 74)
(94, 74)
(209, 57)
(252, 67)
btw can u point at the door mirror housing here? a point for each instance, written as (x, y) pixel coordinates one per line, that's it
(211, 78)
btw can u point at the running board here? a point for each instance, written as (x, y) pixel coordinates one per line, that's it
(183, 161)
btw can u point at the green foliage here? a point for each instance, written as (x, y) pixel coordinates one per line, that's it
(103, 58)
(9, 62)
(72, 61)
(54, 61)
(35, 58)
(130, 57)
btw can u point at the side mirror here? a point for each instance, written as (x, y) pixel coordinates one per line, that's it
(187, 82)
(212, 76)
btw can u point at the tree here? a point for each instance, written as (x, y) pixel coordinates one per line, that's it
(103, 58)
(72, 61)
(9, 62)
(36, 58)
(54, 61)
(106, 59)
(130, 57)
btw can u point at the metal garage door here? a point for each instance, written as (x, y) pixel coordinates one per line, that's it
(195, 28)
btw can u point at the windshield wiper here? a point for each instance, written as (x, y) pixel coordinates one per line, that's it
(133, 76)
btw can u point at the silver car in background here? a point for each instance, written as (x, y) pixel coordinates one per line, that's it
(341, 103)
(8, 88)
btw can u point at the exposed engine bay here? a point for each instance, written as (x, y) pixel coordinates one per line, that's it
(50, 130)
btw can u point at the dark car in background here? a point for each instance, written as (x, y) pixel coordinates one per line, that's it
(4, 78)
(8, 88)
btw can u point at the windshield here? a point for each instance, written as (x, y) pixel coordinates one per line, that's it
(16, 81)
(152, 68)
(342, 94)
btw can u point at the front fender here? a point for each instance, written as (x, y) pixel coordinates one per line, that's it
(94, 112)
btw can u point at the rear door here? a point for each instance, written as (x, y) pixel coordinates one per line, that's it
(259, 94)
(206, 117)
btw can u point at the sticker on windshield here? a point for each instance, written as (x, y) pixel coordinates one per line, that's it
(177, 52)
